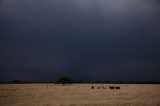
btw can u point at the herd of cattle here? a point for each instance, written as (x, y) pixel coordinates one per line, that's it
(110, 87)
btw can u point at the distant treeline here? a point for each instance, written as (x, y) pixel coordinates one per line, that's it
(69, 80)
(80, 82)
(124, 82)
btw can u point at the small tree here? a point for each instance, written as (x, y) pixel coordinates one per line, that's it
(63, 80)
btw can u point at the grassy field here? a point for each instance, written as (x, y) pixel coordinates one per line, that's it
(79, 95)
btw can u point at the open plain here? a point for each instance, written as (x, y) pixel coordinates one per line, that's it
(79, 95)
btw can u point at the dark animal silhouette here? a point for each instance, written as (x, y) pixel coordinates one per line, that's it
(98, 87)
(92, 87)
(117, 87)
(111, 87)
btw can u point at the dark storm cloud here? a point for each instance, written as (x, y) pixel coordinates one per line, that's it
(86, 39)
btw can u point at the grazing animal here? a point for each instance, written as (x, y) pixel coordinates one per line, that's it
(111, 87)
(92, 87)
(117, 87)
(98, 87)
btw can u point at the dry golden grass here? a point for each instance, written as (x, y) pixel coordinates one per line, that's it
(79, 95)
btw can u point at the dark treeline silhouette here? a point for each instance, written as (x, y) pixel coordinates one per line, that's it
(24, 82)
(67, 80)
(123, 82)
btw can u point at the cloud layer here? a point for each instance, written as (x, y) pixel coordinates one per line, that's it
(86, 39)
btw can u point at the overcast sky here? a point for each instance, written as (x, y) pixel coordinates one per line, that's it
(85, 39)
